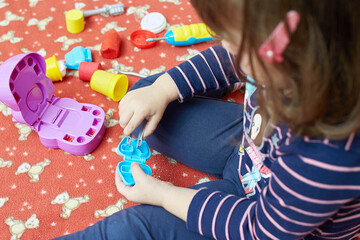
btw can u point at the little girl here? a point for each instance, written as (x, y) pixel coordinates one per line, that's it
(288, 160)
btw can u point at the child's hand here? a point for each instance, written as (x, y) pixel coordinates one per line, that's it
(147, 189)
(139, 104)
(146, 103)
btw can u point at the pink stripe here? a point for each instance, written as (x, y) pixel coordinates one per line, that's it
(327, 143)
(262, 228)
(307, 139)
(240, 157)
(187, 80)
(357, 216)
(280, 153)
(217, 84)
(284, 216)
(254, 230)
(258, 188)
(343, 236)
(246, 213)
(197, 72)
(278, 129)
(202, 211)
(349, 142)
(319, 231)
(327, 166)
(250, 227)
(222, 70)
(232, 64)
(248, 118)
(247, 168)
(229, 216)
(351, 206)
(311, 214)
(216, 213)
(179, 93)
(275, 223)
(331, 233)
(288, 219)
(307, 199)
(355, 236)
(271, 147)
(288, 134)
(313, 183)
(248, 103)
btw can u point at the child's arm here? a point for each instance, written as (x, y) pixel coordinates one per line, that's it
(210, 70)
(204, 73)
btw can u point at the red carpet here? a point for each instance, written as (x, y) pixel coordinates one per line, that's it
(47, 192)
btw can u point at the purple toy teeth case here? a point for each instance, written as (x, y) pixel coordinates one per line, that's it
(62, 123)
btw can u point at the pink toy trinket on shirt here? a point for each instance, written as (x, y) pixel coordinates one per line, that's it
(63, 123)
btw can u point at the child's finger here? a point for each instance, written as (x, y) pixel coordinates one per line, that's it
(125, 118)
(135, 121)
(137, 172)
(122, 104)
(151, 125)
(120, 186)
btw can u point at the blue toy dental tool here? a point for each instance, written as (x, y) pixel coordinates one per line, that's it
(133, 150)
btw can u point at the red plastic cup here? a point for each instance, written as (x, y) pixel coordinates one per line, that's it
(138, 39)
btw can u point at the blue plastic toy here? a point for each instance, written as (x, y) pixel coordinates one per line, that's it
(76, 56)
(133, 150)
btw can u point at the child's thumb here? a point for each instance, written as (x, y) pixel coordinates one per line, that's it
(137, 172)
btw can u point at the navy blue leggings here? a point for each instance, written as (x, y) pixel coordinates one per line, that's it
(202, 133)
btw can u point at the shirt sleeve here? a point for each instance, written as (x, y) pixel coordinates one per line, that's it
(209, 70)
(301, 194)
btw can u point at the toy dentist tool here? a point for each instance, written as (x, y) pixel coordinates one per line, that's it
(133, 150)
(186, 35)
(75, 18)
(62, 123)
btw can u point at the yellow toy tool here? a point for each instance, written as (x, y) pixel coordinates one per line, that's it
(186, 35)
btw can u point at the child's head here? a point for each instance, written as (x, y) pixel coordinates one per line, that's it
(315, 89)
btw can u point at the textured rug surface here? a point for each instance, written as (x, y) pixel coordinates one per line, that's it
(47, 192)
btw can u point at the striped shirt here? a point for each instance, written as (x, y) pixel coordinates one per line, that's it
(296, 187)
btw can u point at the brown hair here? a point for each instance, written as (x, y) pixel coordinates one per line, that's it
(321, 63)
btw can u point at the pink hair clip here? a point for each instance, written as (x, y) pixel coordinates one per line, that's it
(273, 48)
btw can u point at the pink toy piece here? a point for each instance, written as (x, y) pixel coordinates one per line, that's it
(87, 69)
(60, 122)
